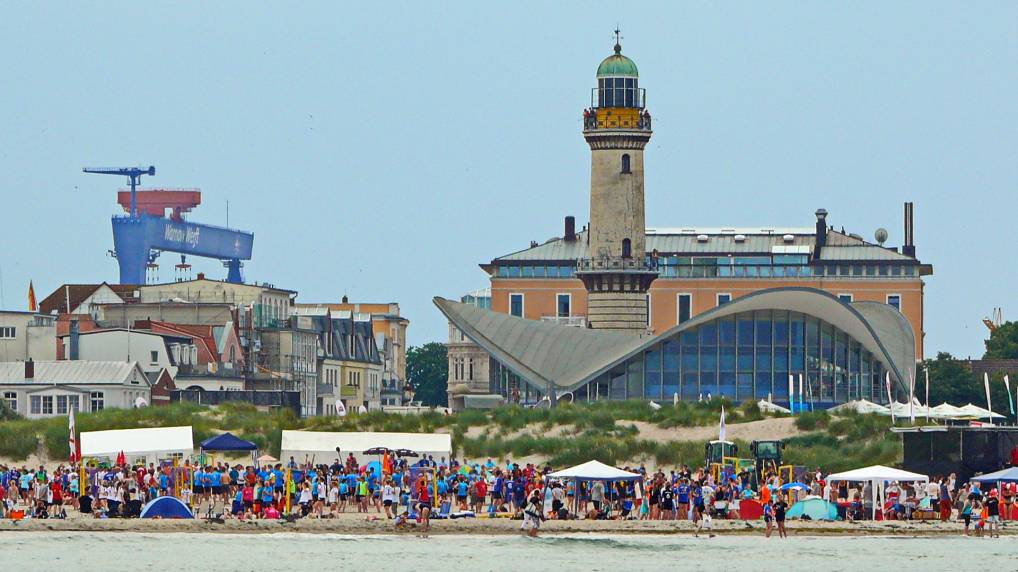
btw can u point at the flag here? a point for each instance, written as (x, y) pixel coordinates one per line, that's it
(986, 384)
(1007, 387)
(791, 392)
(32, 306)
(927, 371)
(721, 430)
(911, 397)
(890, 398)
(72, 438)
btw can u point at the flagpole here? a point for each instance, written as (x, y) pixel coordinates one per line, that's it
(1007, 388)
(890, 398)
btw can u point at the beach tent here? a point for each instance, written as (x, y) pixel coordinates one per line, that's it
(301, 444)
(227, 442)
(815, 508)
(166, 507)
(877, 476)
(139, 445)
(1004, 476)
(947, 411)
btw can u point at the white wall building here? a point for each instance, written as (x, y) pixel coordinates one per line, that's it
(52, 388)
(27, 335)
(152, 352)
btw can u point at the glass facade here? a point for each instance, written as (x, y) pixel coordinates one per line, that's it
(746, 356)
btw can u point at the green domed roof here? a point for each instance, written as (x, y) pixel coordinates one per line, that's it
(617, 65)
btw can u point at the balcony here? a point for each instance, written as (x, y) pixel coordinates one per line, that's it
(591, 122)
(571, 321)
(615, 263)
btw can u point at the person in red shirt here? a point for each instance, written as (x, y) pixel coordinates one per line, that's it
(480, 492)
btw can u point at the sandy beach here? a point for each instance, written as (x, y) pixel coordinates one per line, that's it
(355, 524)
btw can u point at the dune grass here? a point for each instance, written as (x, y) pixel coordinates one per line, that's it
(597, 430)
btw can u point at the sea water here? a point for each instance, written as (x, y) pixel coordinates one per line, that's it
(85, 551)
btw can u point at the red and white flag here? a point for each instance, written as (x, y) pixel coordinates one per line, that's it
(72, 438)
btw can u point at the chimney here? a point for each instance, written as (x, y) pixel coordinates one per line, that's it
(201, 276)
(73, 341)
(345, 299)
(570, 234)
(821, 236)
(908, 249)
(29, 369)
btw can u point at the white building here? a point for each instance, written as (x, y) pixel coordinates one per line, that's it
(27, 335)
(153, 352)
(52, 388)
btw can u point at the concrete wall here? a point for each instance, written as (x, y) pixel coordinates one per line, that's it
(120, 345)
(34, 337)
(616, 203)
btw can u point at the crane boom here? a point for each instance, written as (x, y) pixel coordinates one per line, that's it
(133, 173)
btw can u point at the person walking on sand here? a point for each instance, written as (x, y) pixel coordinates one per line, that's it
(532, 515)
(779, 517)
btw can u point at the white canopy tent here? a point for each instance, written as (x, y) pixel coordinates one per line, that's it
(595, 471)
(298, 444)
(877, 476)
(592, 471)
(974, 411)
(150, 445)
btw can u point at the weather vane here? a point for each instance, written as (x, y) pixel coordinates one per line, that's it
(618, 39)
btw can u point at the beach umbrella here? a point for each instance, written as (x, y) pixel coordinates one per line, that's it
(795, 486)
(267, 459)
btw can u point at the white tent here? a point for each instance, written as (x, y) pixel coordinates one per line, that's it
(148, 445)
(595, 471)
(974, 411)
(861, 406)
(298, 444)
(877, 476)
(771, 407)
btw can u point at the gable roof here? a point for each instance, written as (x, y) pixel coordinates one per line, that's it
(542, 352)
(78, 293)
(71, 372)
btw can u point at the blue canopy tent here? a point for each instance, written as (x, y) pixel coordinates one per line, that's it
(166, 507)
(228, 442)
(1009, 475)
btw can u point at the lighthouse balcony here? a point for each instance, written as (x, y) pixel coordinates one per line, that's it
(616, 119)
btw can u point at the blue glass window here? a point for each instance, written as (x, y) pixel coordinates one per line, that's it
(727, 358)
(709, 333)
(528, 272)
(746, 330)
(726, 385)
(552, 272)
(727, 330)
(503, 271)
(514, 271)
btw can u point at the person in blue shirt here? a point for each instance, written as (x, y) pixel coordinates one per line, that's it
(462, 487)
(280, 478)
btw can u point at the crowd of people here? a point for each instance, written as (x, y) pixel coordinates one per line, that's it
(407, 490)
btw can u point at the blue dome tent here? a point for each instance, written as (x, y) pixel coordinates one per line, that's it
(166, 507)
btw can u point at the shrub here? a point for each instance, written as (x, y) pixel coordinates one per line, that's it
(812, 420)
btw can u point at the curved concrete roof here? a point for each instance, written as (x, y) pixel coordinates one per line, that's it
(541, 352)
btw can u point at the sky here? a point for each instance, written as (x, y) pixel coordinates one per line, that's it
(384, 150)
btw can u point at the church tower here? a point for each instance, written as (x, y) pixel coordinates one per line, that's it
(617, 273)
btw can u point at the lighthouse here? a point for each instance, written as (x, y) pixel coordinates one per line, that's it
(617, 272)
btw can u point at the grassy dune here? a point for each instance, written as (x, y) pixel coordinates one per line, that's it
(568, 434)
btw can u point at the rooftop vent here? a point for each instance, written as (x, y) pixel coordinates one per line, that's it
(740, 238)
(728, 231)
(701, 238)
(788, 238)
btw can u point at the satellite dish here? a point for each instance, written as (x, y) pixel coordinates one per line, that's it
(340, 408)
(881, 236)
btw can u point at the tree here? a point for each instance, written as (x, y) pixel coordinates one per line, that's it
(1003, 342)
(427, 370)
(951, 381)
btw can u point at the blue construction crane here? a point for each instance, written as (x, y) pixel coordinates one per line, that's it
(133, 173)
(141, 235)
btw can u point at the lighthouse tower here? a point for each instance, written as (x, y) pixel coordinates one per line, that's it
(617, 273)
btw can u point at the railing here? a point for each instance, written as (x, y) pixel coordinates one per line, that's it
(641, 122)
(572, 321)
(614, 263)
